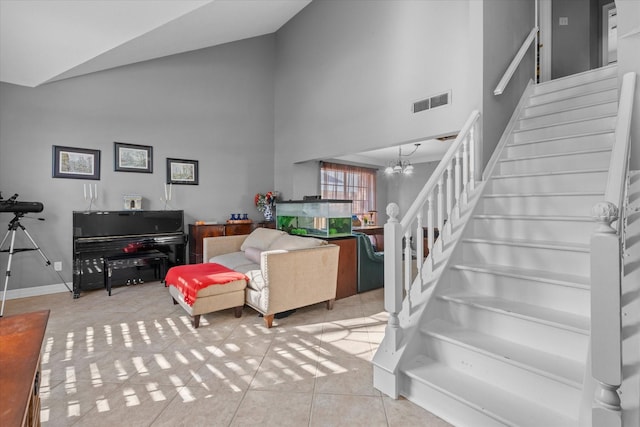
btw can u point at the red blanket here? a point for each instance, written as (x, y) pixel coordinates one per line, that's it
(189, 279)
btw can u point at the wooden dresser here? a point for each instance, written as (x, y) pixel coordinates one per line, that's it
(21, 337)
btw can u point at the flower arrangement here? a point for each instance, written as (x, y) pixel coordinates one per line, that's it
(263, 200)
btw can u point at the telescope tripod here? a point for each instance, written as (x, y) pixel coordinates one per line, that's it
(14, 225)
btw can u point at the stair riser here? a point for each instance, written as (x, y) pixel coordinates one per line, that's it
(568, 115)
(537, 230)
(596, 160)
(552, 394)
(541, 205)
(574, 91)
(566, 129)
(550, 339)
(553, 260)
(446, 407)
(592, 181)
(576, 79)
(610, 95)
(564, 145)
(553, 296)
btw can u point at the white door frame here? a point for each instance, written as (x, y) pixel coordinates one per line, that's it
(545, 39)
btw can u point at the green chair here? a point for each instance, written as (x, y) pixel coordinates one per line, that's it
(370, 265)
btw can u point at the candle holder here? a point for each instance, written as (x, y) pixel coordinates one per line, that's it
(168, 195)
(91, 195)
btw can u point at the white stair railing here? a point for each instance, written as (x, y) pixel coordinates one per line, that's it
(453, 179)
(607, 243)
(515, 62)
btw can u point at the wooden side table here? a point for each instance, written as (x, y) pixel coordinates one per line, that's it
(21, 337)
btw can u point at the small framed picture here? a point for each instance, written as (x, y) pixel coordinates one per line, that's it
(78, 163)
(180, 171)
(133, 158)
(132, 202)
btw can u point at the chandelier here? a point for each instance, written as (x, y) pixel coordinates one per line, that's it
(400, 166)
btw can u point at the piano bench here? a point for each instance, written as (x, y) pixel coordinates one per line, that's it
(158, 259)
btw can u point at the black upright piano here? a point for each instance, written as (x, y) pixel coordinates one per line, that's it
(101, 234)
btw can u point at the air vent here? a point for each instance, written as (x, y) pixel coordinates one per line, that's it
(432, 102)
(425, 104)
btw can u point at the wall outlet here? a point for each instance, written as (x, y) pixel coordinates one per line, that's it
(57, 266)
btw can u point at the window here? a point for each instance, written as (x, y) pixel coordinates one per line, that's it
(345, 182)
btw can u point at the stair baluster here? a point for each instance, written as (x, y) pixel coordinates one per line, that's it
(394, 231)
(472, 159)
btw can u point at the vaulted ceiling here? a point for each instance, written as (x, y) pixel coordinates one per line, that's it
(43, 41)
(47, 40)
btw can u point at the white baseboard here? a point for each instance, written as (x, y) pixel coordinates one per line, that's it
(35, 291)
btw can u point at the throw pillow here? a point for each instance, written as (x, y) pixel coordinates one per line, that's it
(253, 254)
(290, 243)
(261, 238)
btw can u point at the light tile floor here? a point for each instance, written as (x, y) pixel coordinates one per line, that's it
(133, 359)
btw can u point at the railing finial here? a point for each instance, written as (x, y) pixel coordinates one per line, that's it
(604, 213)
(393, 210)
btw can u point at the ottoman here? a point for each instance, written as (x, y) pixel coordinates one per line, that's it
(205, 288)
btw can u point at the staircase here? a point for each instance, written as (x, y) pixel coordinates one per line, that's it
(504, 337)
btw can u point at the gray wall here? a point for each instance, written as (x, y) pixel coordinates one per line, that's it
(213, 105)
(506, 24)
(348, 72)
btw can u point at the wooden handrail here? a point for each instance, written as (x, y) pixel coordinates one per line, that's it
(515, 62)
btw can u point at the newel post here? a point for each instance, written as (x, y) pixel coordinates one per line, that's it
(393, 276)
(605, 317)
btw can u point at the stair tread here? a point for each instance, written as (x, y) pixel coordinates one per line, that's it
(537, 217)
(565, 320)
(569, 172)
(561, 369)
(561, 194)
(580, 247)
(573, 108)
(570, 97)
(596, 74)
(561, 154)
(500, 404)
(531, 274)
(541, 86)
(559, 138)
(566, 122)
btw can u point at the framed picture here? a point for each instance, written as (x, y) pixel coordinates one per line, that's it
(133, 158)
(180, 171)
(78, 163)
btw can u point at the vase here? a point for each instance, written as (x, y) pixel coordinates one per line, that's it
(268, 215)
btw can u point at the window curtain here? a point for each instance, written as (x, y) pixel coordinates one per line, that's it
(346, 182)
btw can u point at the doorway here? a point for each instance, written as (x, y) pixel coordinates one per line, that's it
(609, 34)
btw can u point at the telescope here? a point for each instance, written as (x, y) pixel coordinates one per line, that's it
(12, 205)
